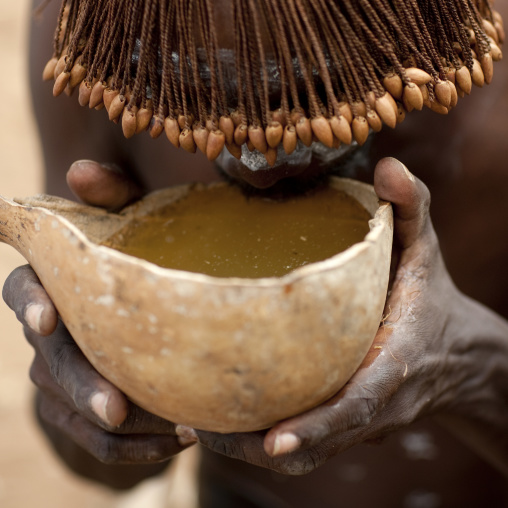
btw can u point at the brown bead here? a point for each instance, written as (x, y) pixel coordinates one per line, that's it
(258, 138)
(211, 124)
(477, 75)
(182, 121)
(85, 92)
(386, 108)
(201, 134)
(425, 92)
(374, 121)
(227, 126)
(463, 79)
(250, 146)
(78, 74)
(290, 139)
(496, 16)
(370, 100)
(49, 70)
(412, 97)
(61, 65)
(97, 95)
(487, 67)
(341, 129)
(271, 156)
(128, 94)
(234, 150)
(490, 30)
(418, 76)
(274, 133)
(360, 128)
(236, 117)
(68, 90)
(345, 110)
(495, 51)
(187, 141)
(450, 74)
(472, 37)
(143, 119)
(129, 121)
(304, 131)
(393, 84)
(215, 145)
(443, 93)
(61, 83)
(437, 107)
(116, 107)
(279, 116)
(172, 130)
(108, 97)
(322, 130)
(295, 116)
(241, 135)
(358, 108)
(156, 127)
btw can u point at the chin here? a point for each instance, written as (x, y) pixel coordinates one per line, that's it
(294, 174)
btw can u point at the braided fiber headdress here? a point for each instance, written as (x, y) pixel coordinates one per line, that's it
(297, 70)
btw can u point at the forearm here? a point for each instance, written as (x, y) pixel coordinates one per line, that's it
(478, 413)
(115, 476)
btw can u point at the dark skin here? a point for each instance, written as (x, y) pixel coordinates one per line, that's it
(439, 354)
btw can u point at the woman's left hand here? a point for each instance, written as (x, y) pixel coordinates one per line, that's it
(410, 370)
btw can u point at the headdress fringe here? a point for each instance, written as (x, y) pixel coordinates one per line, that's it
(343, 67)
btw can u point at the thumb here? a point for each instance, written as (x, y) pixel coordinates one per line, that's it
(409, 196)
(102, 185)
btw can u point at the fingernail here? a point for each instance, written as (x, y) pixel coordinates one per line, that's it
(186, 435)
(99, 403)
(286, 443)
(114, 168)
(408, 173)
(83, 162)
(33, 316)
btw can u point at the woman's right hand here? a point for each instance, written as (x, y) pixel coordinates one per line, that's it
(90, 422)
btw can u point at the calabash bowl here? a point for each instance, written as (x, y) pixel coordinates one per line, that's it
(218, 354)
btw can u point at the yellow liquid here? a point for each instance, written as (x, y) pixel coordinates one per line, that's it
(221, 232)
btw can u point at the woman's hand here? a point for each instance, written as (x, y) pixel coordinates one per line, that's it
(423, 359)
(89, 421)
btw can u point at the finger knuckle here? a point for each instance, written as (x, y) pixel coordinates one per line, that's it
(122, 450)
(106, 450)
(57, 364)
(37, 376)
(61, 358)
(366, 405)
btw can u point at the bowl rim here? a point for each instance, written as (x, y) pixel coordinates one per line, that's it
(381, 219)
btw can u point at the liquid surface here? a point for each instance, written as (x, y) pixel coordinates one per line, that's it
(223, 233)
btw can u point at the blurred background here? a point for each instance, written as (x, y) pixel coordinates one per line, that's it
(29, 473)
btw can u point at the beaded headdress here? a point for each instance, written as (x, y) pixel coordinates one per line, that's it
(342, 67)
